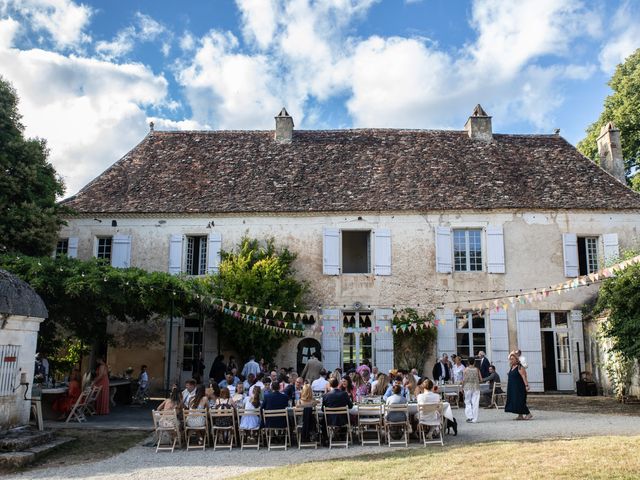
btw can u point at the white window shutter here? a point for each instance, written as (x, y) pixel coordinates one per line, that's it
(72, 249)
(215, 246)
(577, 336)
(570, 253)
(446, 342)
(499, 343)
(530, 344)
(495, 249)
(383, 252)
(331, 251)
(121, 251)
(175, 254)
(444, 253)
(331, 339)
(611, 251)
(384, 339)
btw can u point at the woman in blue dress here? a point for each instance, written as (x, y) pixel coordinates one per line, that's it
(517, 388)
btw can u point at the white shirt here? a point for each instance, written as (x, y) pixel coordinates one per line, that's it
(428, 398)
(258, 383)
(187, 396)
(319, 384)
(457, 371)
(143, 380)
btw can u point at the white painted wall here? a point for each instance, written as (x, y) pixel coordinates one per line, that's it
(532, 240)
(22, 331)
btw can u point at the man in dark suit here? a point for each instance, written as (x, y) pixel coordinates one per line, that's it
(336, 398)
(275, 400)
(484, 364)
(441, 370)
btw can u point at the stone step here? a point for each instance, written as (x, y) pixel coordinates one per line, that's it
(20, 439)
(12, 460)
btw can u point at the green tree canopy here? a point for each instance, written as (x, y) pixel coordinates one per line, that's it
(29, 185)
(263, 276)
(622, 107)
(619, 297)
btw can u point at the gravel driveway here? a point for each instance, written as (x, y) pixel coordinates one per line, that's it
(144, 464)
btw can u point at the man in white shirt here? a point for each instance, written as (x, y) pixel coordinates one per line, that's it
(251, 367)
(189, 392)
(258, 383)
(320, 384)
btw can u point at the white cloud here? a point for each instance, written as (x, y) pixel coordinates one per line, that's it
(63, 20)
(624, 39)
(8, 30)
(259, 20)
(145, 29)
(187, 42)
(91, 112)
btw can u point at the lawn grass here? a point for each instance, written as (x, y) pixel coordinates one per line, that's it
(594, 457)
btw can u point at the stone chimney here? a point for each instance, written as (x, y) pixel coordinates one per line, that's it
(478, 127)
(610, 151)
(284, 127)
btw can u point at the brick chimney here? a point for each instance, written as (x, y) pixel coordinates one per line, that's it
(284, 127)
(478, 127)
(610, 151)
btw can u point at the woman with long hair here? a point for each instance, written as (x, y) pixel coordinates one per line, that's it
(306, 397)
(362, 388)
(173, 402)
(102, 380)
(251, 403)
(64, 404)
(346, 385)
(380, 388)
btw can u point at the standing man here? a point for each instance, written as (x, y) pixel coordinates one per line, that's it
(312, 369)
(484, 364)
(441, 370)
(251, 367)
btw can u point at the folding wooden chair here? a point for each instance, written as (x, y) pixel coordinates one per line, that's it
(195, 421)
(402, 425)
(78, 410)
(247, 433)
(91, 400)
(498, 400)
(223, 423)
(167, 425)
(298, 421)
(451, 394)
(273, 415)
(430, 417)
(332, 430)
(369, 421)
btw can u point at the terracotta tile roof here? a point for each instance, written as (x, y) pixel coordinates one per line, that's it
(349, 170)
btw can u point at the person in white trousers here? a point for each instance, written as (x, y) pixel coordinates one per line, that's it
(471, 387)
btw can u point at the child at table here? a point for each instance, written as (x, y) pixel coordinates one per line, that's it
(65, 403)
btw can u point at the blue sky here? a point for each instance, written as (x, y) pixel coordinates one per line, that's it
(92, 75)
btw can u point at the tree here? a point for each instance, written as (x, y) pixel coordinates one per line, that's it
(412, 348)
(29, 216)
(622, 107)
(262, 276)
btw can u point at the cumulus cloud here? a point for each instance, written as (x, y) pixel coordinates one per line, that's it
(64, 21)
(624, 37)
(144, 29)
(90, 111)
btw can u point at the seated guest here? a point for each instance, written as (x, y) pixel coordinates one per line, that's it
(362, 387)
(174, 402)
(238, 397)
(65, 403)
(275, 400)
(346, 384)
(429, 396)
(410, 385)
(213, 393)
(380, 385)
(320, 384)
(398, 381)
(251, 379)
(198, 401)
(492, 378)
(188, 392)
(396, 399)
(334, 399)
(251, 403)
(306, 397)
(229, 382)
(297, 388)
(258, 382)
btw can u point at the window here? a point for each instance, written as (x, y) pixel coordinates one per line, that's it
(104, 247)
(588, 255)
(471, 336)
(62, 248)
(196, 255)
(467, 250)
(356, 345)
(356, 251)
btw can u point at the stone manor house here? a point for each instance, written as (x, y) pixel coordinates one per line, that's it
(378, 218)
